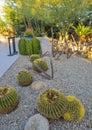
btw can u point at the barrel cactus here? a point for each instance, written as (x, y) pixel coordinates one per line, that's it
(24, 78)
(74, 109)
(41, 64)
(34, 57)
(8, 99)
(51, 103)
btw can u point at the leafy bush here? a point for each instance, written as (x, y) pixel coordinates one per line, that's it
(29, 32)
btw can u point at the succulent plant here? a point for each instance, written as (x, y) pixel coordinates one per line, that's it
(51, 103)
(74, 109)
(34, 57)
(40, 63)
(24, 78)
(8, 99)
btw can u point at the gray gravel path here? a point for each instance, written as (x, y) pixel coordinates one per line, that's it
(72, 76)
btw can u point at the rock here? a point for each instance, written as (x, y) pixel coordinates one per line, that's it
(37, 122)
(37, 85)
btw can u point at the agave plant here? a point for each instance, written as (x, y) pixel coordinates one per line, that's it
(51, 103)
(74, 109)
(82, 31)
(24, 78)
(40, 64)
(8, 99)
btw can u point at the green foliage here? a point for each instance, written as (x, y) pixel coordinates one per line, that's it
(51, 103)
(29, 32)
(24, 78)
(34, 57)
(8, 99)
(36, 46)
(22, 46)
(40, 63)
(74, 109)
(82, 30)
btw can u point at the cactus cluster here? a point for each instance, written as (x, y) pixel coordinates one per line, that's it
(40, 63)
(24, 78)
(34, 57)
(74, 109)
(29, 47)
(8, 99)
(51, 103)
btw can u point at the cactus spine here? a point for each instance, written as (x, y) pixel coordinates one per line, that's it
(51, 103)
(74, 109)
(8, 99)
(24, 78)
(40, 63)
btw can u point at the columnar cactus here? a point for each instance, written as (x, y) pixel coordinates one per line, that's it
(74, 109)
(40, 63)
(34, 57)
(24, 78)
(51, 103)
(8, 99)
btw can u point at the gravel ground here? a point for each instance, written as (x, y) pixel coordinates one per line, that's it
(72, 76)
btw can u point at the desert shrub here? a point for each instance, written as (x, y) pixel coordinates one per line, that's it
(29, 32)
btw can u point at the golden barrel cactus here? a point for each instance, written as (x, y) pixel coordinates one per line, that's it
(24, 78)
(51, 103)
(40, 63)
(34, 57)
(8, 99)
(74, 110)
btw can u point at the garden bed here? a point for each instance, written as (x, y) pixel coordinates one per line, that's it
(72, 76)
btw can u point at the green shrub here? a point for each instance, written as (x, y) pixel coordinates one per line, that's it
(34, 57)
(24, 78)
(29, 32)
(8, 99)
(40, 63)
(51, 103)
(74, 110)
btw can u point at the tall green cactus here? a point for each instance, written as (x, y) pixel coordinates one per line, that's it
(74, 109)
(51, 103)
(36, 46)
(24, 78)
(8, 99)
(22, 46)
